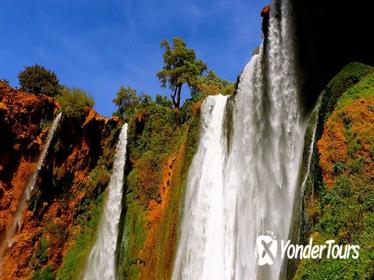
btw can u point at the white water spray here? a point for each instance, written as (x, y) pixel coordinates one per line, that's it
(201, 248)
(255, 188)
(314, 114)
(101, 261)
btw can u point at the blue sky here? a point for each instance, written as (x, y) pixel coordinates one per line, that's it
(101, 45)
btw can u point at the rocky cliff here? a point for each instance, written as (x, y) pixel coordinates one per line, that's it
(161, 145)
(59, 222)
(329, 35)
(336, 201)
(64, 204)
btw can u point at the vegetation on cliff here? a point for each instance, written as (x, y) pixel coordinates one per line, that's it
(88, 196)
(182, 67)
(161, 143)
(23, 128)
(59, 224)
(38, 80)
(74, 102)
(342, 207)
(65, 207)
(66, 204)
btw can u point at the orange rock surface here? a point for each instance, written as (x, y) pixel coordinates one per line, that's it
(52, 210)
(351, 124)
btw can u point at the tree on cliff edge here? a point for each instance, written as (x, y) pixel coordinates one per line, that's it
(180, 67)
(38, 80)
(126, 100)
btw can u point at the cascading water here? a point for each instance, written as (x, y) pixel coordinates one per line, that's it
(313, 124)
(200, 254)
(253, 190)
(101, 261)
(17, 222)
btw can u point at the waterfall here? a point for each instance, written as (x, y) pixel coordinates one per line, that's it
(17, 222)
(101, 261)
(200, 254)
(233, 197)
(313, 124)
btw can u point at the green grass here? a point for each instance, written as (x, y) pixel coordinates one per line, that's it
(134, 235)
(149, 146)
(40, 256)
(74, 260)
(345, 211)
(347, 217)
(169, 233)
(155, 133)
(350, 75)
(44, 274)
(363, 89)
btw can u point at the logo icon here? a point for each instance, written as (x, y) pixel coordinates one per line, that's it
(266, 248)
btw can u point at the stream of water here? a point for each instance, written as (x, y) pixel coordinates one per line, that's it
(234, 195)
(101, 261)
(17, 222)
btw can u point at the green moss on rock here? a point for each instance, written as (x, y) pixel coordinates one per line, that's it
(343, 200)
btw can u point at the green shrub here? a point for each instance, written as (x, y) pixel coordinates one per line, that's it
(338, 167)
(346, 216)
(345, 210)
(38, 80)
(127, 100)
(40, 256)
(100, 177)
(75, 259)
(163, 101)
(357, 165)
(41, 251)
(350, 75)
(353, 147)
(74, 101)
(44, 274)
(133, 236)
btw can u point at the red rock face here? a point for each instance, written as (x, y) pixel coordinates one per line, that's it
(58, 194)
(21, 137)
(333, 147)
(265, 11)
